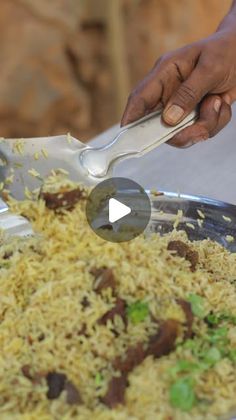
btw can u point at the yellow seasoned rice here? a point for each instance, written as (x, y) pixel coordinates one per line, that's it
(42, 285)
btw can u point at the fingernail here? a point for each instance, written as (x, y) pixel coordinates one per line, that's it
(227, 99)
(174, 114)
(217, 105)
(190, 143)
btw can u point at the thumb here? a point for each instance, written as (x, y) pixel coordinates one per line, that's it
(187, 96)
(230, 96)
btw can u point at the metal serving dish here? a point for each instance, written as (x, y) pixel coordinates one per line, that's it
(218, 225)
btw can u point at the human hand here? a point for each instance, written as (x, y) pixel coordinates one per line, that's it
(202, 73)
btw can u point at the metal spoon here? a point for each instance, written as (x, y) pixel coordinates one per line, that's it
(25, 163)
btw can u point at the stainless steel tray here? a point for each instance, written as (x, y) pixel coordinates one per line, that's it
(218, 224)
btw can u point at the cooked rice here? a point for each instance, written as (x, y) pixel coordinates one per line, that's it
(44, 152)
(226, 218)
(229, 238)
(178, 219)
(190, 225)
(42, 286)
(34, 173)
(200, 214)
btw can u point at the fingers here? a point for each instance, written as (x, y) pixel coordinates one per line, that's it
(188, 95)
(215, 113)
(224, 118)
(158, 86)
(230, 96)
(145, 98)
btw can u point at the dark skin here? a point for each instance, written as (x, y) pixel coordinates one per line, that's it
(201, 74)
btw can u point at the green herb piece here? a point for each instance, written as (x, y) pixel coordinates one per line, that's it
(228, 317)
(137, 311)
(184, 366)
(197, 305)
(189, 344)
(212, 319)
(215, 319)
(232, 355)
(212, 356)
(218, 336)
(98, 379)
(196, 347)
(182, 394)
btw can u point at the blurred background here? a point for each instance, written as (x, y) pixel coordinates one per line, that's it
(68, 65)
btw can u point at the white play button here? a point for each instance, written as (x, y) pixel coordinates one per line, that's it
(117, 210)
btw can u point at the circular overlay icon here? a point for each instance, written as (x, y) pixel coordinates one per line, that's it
(118, 209)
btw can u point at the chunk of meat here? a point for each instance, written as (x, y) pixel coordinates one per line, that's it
(159, 345)
(7, 255)
(72, 394)
(134, 356)
(179, 247)
(184, 251)
(115, 394)
(35, 378)
(186, 307)
(85, 302)
(163, 342)
(26, 370)
(41, 337)
(104, 278)
(62, 199)
(193, 257)
(56, 384)
(118, 309)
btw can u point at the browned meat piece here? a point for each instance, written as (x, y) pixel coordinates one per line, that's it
(35, 378)
(56, 384)
(64, 199)
(41, 337)
(159, 345)
(184, 251)
(104, 278)
(179, 247)
(186, 306)
(118, 309)
(72, 394)
(163, 342)
(85, 302)
(7, 255)
(26, 370)
(116, 391)
(134, 356)
(30, 340)
(193, 258)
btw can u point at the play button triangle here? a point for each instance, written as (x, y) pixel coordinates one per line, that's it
(117, 210)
